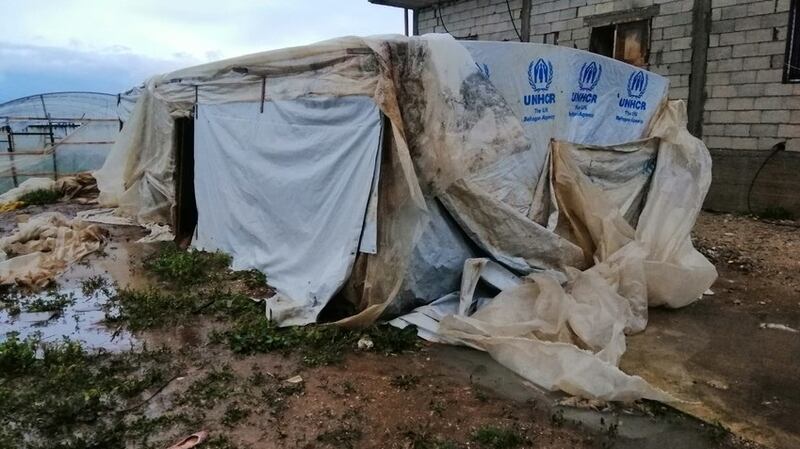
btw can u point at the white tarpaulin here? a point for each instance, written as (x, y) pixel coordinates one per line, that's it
(303, 170)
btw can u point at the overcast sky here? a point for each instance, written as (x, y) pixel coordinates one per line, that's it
(111, 45)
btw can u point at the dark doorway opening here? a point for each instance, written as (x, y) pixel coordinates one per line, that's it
(185, 219)
(602, 40)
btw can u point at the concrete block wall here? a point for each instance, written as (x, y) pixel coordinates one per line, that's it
(563, 22)
(486, 20)
(747, 105)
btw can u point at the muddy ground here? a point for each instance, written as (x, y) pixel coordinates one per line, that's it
(187, 358)
(717, 351)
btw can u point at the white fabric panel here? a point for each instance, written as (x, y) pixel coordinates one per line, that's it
(571, 95)
(285, 191)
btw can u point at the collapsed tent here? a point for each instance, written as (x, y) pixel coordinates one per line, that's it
(527, 200)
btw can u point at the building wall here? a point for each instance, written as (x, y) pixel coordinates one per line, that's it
(747, 109)
(747, 105)
(563, 22)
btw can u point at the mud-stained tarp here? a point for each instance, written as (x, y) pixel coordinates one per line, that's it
(565, 244)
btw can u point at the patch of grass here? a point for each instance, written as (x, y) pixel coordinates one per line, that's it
(318, 345)
(776, 213)
(16, 357)
(498, 437)
(557, 418)
(58, 395)
(253, 279)
(234, 415)
(40, 197)
(94, 284)
(213, 387)
(152, 308)
(345, 436)
(404, 381)
(52, 302)
(219, 442)
(174, 265)
(423, 440)
(276, 396)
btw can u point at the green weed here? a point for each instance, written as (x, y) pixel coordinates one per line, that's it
(344, 436)
(52, 302)
(94, 284)
(172, 264)
(404, 381)
(498, 438)
(153, 308)
(318, 345)
(58, 395)
(40, 197)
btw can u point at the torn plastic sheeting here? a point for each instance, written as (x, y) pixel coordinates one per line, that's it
(45, 246)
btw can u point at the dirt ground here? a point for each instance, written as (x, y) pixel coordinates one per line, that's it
(744, 377)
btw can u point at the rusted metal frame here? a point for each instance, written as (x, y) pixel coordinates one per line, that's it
(263, 92)
(52, 137)
(10, 147)
(30, 175)
(56, 119)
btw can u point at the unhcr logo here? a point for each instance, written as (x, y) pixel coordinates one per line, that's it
(484, 69)
(637, 84)
(589, 75)
(540, 74)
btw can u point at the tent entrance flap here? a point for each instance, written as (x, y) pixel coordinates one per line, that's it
(285, 191)
(185, 219)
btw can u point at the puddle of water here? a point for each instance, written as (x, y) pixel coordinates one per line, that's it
(633, 429)
(82, 320)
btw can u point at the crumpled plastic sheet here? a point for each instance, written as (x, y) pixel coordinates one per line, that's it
(44, 246)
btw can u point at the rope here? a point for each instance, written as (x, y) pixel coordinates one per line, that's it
(511, 16)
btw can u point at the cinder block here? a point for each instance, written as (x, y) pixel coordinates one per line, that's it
(755, 63)
(774, 116)
(723, 26)
(743, 77)
(722, 116)
(681, 43)
(758, 8)
(762, 35)
(739, 104)
(771, 48)
(734, 12)
(761, 130)
(747, 117)
(779, 89)
(743, 143)
(735, 38)
(719, 52)
(716, 104)
(723, 91)
(737, 130)
(769, 76)
(785, 130)
(747, 23)
(774, 20)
